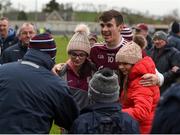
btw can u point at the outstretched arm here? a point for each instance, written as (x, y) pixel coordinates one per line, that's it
(152, 79)
(57, 68)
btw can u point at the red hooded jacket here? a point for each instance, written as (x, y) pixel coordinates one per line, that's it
(141, 101)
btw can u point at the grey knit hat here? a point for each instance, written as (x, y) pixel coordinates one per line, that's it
(130, 53)
(79, 40)
(104, 86)
(160, 35)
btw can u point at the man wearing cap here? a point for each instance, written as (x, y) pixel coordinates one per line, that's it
(142, 29)
(166, 58)
(31, 96)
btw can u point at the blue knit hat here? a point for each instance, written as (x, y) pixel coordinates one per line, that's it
(44, 43)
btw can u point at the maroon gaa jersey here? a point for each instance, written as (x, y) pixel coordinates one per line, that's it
(103, 56)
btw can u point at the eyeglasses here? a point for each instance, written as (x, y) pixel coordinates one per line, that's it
(80, 55)
(28, 33)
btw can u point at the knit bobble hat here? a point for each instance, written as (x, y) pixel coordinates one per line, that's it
(160, 35)
(130, 53)
(44, 43)
(79, 40)
(104, 86)
(175, 27)
(127, 33)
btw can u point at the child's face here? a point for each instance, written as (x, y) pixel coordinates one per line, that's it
(125, 67)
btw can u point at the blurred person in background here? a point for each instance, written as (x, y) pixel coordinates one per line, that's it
(127, 33)
(92, 39)
(166, 120)
(17, 51)
(142, 29)
(142, 42)
(7, 34)
(166, 58)
(174, 35)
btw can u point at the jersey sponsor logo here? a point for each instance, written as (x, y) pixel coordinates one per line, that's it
(100, 56)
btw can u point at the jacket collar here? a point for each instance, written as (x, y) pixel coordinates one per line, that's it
(39, 58)
(10, 36)
(110, 107)
(23, 47)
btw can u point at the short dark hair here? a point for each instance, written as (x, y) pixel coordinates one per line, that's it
(110, 14)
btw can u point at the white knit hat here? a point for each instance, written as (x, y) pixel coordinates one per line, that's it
(79, 40)
(130, 53)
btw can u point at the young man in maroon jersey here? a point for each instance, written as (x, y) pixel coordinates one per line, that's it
(103, 55)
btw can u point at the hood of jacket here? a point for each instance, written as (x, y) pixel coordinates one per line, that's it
(145, 65)
(103, 107)
(39, 58)
(11, 34)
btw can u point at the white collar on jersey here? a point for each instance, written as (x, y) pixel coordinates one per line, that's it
(118, 45)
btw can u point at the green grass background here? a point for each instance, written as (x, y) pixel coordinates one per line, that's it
(61, 42)
(61, 56)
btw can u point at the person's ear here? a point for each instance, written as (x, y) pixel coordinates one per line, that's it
(121, 27)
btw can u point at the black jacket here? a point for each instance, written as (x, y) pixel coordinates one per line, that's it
(174, 40)
(31, 97)
(9, 41)
(167, 118)
(165, 58)
(87, 120)
(14, 53)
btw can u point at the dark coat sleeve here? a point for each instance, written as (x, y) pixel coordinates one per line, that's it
(66, 112)
(167, 118)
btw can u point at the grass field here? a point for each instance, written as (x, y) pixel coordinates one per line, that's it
(61, 43)
(61, 56)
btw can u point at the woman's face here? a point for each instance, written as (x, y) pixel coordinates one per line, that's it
(125, 67)
(78, 57)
